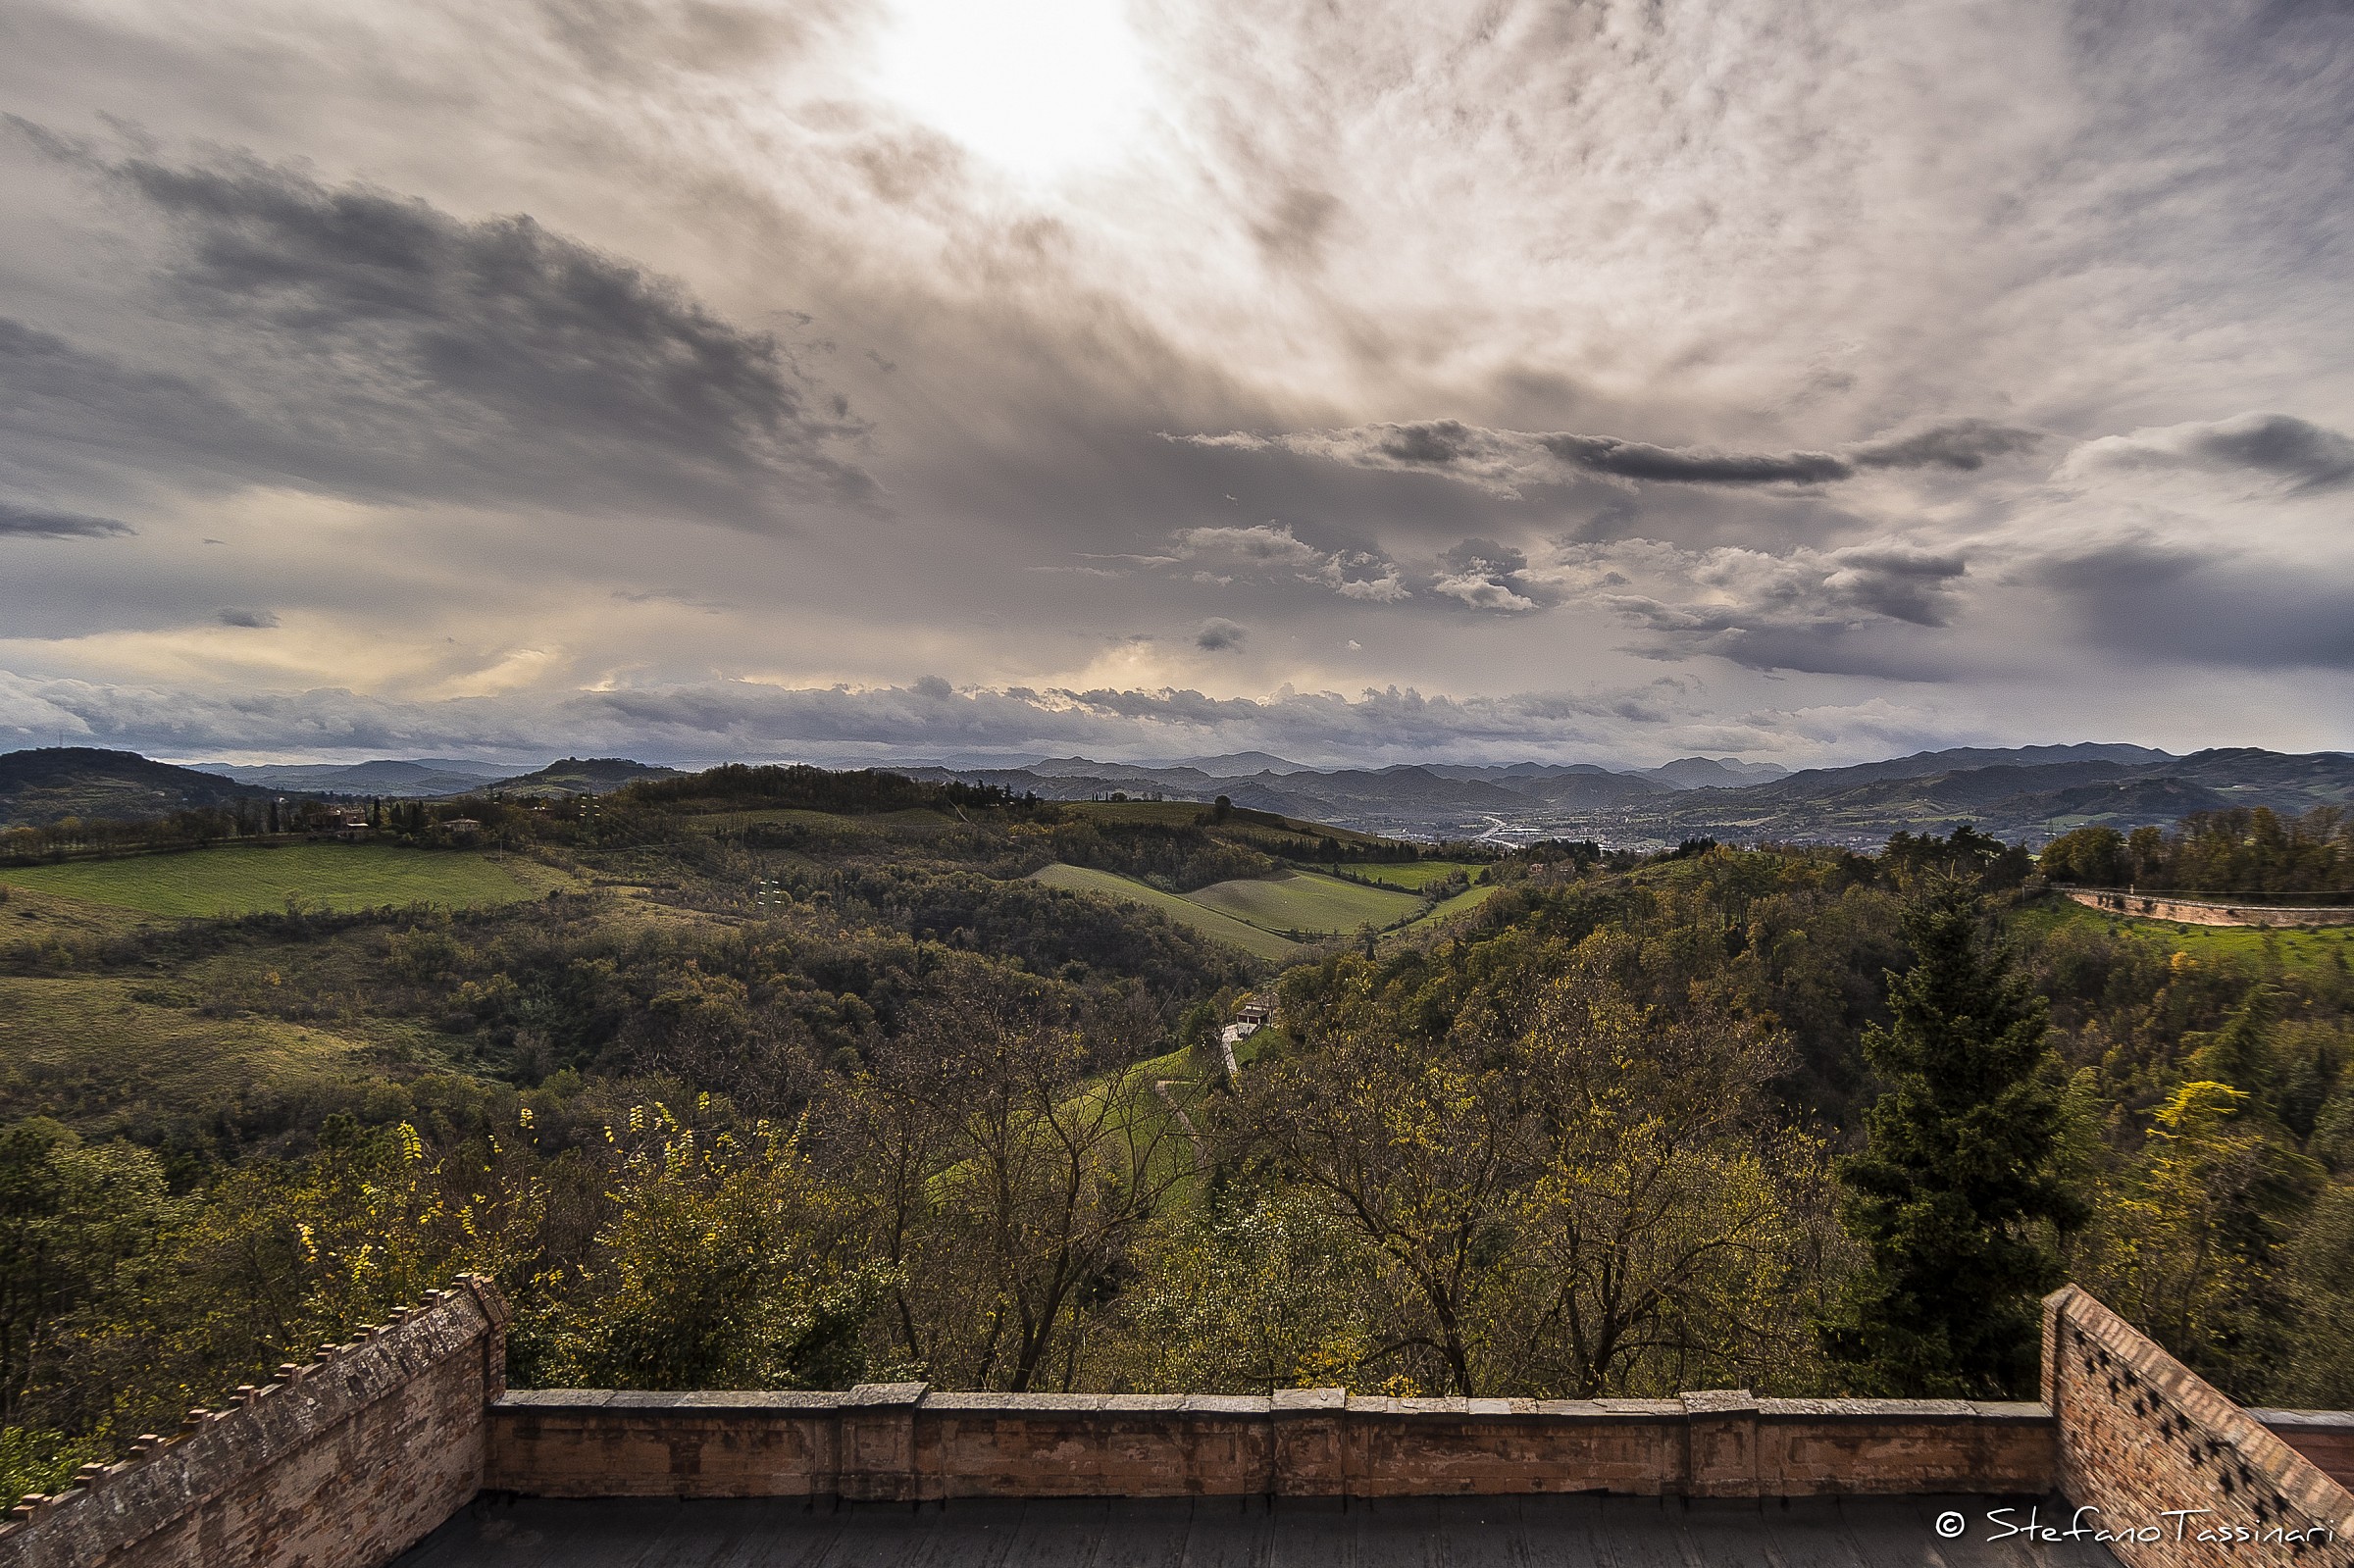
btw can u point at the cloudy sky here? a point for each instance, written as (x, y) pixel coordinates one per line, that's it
(1373, 383)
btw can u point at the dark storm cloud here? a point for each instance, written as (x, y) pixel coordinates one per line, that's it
(2175, 605)
(1483, 575)
(1217, 635)
(252, 620)
(1836, 612)
(1900, 583)
(369, 344)
(2304, 456)
(1611, 458)
(40, 523)
(1501, 461)
(1964, 445)
(746, 719)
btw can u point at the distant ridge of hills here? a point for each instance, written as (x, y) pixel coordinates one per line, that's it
(47, 785)
(443, 776)
(427, 776)
(2023, 793)
(584, 775)
(50, 784)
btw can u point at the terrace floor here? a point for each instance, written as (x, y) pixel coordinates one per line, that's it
(1179, 1533)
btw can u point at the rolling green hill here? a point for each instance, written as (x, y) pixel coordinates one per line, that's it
(1208, 922)
(102, 1054)
(584, 775)
(53, 783)
(242, 879)
(1307, 902)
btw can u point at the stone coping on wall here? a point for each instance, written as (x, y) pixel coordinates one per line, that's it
(906, 1441)
(758, 1402)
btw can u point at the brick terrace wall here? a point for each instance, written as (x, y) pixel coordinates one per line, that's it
(345, 1463)
(2140, 1435)
(2189, 912)
(2325, 1437)
(900, 1442)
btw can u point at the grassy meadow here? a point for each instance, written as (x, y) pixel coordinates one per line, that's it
(2264, 947)
(244, 878)
(1256, 912)
(106, 1054)
(1208, 922)
(1306, 902)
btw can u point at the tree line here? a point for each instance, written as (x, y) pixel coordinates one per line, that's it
(2243, 850)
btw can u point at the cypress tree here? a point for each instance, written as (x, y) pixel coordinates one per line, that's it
(1958, 1165)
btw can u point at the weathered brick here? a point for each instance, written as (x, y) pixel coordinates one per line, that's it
(2141, 1437)
(344, 1464)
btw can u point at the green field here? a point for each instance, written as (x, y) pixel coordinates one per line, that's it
(98, 1055)
(1208, 922)
(1306, 902)
(2260, 947)
(1414, 874)
(241, 878)
(1254, 913)
(1460, 904)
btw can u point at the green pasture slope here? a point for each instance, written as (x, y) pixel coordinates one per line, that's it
(1208, 922)
(243, 878)
(1306, 902)
(104, 1057)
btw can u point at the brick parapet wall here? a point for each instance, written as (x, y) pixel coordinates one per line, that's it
(345, 1463)
(2141, 1437)
(342, 1463)
(2325, 1437)
(903, 1442)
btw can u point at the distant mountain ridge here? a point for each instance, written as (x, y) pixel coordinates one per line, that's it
(50, 784)
(582, 776)
(2026, 793)
(442, 777)
(2023, 793)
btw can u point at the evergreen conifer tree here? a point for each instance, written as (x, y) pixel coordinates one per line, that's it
(1960, 1164)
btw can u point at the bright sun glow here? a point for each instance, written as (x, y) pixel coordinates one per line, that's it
(1036, 86)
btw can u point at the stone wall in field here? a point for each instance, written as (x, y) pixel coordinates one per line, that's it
(2170, 1471)
(343, 1463)
(2196, 912)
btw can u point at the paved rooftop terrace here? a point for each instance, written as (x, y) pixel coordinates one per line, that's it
(1230, 1533)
